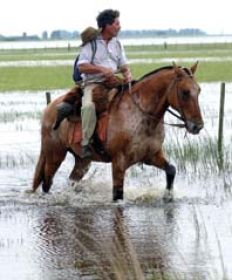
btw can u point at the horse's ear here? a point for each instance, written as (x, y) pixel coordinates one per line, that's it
(177, 69)
(194, 67)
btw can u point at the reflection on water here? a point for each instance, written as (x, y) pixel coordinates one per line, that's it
(95, 242)
(76, 232)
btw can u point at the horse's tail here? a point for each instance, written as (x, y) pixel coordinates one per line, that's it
(52, 154)
(52, 151)
(39, 171)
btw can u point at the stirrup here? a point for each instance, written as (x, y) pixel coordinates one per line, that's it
(85, 152)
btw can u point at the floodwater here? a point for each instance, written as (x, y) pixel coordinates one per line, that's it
(126, 41)
(57, 62)
(76, 232)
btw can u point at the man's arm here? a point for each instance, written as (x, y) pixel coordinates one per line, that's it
(125, 70)
(89, 68)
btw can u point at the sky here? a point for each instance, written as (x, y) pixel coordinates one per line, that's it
(34, 17)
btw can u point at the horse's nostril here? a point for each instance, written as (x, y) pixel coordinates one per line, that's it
(194, 128)
(197, 128)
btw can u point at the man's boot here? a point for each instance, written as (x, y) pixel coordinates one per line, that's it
(86, 152)
(64, 110)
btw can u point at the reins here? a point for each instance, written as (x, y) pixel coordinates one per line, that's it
(150, 115)
(180, 125)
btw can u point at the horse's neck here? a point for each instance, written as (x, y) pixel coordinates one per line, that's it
(151, 96)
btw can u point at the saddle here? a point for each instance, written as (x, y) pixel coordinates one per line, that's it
(102, 97)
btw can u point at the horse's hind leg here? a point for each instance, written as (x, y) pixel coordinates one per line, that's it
(160, 161)
(53, 162)
(39, 172)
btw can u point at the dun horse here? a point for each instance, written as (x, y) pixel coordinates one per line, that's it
(135, 128)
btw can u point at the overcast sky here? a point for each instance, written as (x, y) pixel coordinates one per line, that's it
(34, 17)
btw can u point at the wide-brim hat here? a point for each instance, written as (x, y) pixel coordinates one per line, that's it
(89, 34)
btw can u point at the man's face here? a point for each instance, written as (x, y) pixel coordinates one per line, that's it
(113, 28)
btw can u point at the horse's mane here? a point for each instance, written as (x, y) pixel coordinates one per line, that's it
(169, 67)
(186, 70)
(155, 71)
(126, 86)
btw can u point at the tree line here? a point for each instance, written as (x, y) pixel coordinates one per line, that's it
(73, 35)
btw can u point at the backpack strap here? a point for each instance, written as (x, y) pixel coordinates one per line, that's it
(93, 44)
(76, 72)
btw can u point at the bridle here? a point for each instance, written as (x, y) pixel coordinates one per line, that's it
(180, 116)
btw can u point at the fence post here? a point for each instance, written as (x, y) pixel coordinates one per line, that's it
(48, 97)
(220, 127)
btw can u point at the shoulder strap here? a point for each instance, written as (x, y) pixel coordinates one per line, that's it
(93, 44)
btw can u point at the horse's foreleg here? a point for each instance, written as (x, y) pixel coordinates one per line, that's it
(80, 169)
(160, 161)
(170, 175)
(118, 172)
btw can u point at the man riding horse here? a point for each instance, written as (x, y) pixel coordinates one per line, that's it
(108, 59)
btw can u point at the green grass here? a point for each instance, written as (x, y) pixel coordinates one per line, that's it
(60, 77)
(35, 78)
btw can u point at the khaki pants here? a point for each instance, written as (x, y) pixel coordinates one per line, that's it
(88, 114)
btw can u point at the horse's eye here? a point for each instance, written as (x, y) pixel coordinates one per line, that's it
(185, 95)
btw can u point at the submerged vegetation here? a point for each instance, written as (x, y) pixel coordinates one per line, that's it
(201, 156)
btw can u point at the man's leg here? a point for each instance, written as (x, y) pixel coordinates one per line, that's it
(88, 120)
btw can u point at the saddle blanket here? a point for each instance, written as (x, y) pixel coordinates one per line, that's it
(75, 134)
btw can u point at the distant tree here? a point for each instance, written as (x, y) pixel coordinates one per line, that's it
(61, 34)
(191, 31)
(161, 32)
(45, 35)
(75, 35)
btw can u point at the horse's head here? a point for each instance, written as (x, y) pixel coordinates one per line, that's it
(183, 97)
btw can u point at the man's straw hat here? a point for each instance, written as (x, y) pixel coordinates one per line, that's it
(89, 34)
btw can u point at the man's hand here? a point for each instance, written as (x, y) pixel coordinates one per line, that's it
(114, 81)
(126, 74)
(107, 72)
(127, 77)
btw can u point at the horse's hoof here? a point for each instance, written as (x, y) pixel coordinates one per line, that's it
(117, 194)
(168, 196)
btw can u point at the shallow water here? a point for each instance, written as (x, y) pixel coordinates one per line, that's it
(68, 62)
(125, 41)
(76, 232)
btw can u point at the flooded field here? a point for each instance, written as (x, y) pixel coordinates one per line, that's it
(76, 232)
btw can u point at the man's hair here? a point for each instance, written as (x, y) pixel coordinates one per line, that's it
(107, 17)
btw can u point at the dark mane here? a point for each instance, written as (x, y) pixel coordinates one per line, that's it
(186, 70)
(156, 71)
(126, 86)
(169, 67)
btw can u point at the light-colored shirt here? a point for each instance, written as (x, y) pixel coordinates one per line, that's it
(111, 55)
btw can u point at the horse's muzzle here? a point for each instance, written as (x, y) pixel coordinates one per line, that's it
(194, 127)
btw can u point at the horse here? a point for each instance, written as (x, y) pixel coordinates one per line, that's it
(134, 132)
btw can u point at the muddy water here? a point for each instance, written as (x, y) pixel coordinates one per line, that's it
(76, 232)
